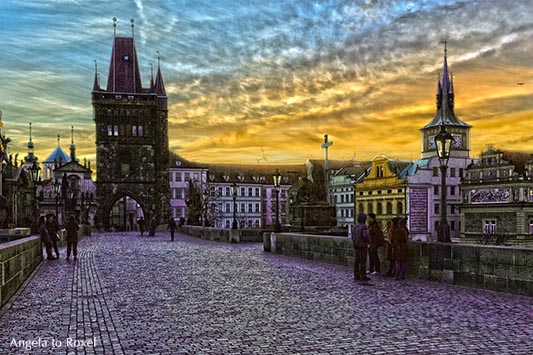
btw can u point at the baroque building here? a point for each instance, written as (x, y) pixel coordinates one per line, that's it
(497, 195)
(132, 155)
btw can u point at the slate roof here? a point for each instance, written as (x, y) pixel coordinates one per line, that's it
(124, 75)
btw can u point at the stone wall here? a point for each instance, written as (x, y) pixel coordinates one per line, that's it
(17, 261)
(499, 268)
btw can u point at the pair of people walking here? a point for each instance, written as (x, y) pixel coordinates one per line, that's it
(367, 240)
(49, 233)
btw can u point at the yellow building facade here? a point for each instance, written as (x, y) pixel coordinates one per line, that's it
(382, 191)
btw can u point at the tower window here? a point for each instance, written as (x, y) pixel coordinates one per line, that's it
(126, 58)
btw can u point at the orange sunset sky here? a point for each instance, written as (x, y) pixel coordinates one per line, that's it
(263, 81)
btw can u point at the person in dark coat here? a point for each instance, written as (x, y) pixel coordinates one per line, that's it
(141, 224)
(45, 238)
(72, 236)
(53, 230)
(376, 241)
(390, 251)
(172, 227)
(361, 240)
(400, 238)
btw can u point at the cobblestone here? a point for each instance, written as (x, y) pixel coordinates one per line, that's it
(147, 295)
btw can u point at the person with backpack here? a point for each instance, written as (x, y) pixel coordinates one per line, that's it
(377, 240)
(361, 240)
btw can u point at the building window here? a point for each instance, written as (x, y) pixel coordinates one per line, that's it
(489, 226)
(257, 191)
(452, 190)
(187, 176)
(361, 208)
(380, 209)
(531, 226)
(437, 208)
(177, 176)
(109, 130)
(369, 208)
(460, 172)
(435, 171)
(452, 225)
(134, 131)
(436, 190)
(452, 172)
(196, 177)
(257, 209)
(399, 208)
(115, 130)
(452, 209)
(389, 208)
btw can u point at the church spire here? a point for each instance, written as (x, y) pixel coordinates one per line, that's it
(159, 86)
(30, 158)
(72, 145)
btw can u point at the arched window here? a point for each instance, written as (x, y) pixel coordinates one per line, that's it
(380, 209)
(389, 207)
(399, 208)
(369, 208)
(361, 208)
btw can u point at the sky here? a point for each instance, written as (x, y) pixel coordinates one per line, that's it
(254, 81)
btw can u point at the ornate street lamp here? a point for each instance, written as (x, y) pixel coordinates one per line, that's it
(443, 141)
(235, 190)
(35, 172)
(276, 178)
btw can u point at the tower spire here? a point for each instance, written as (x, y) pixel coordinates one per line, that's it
(30, 158)
(159, 86)
(96, 84)
(151, 77)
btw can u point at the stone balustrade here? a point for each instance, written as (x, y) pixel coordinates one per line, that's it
(500, 268)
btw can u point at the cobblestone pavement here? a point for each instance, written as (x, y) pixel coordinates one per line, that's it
(147, 295)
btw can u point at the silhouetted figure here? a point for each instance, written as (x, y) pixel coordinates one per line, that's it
(141, 224)
(361, 240)
(72, 236)
(53, 230)
(45, 238)
(172, 227)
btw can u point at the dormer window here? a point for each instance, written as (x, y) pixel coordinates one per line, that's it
(126, 58)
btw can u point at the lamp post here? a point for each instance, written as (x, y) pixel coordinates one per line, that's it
(57, 191)
(443, 142)
(276, 178)
(234, 190)
(204, 204)
(35, 171)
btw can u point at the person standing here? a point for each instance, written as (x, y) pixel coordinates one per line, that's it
(376, 241)
(45, 238)
(53, 229)
(172, 227)
(361, 240)
(141, 224)
(72, 237)
(390, 250)
(400, 238)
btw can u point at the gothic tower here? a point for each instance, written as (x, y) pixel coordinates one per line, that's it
(445, 115)
(131, 136)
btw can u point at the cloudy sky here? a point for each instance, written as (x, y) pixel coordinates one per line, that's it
(263, 81)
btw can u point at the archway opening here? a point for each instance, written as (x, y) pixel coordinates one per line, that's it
(125, 214)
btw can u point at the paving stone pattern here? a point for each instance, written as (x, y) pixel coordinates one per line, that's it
(129, 294)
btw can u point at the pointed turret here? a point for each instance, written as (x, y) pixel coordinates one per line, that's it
(159, 86)
(96, 84)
